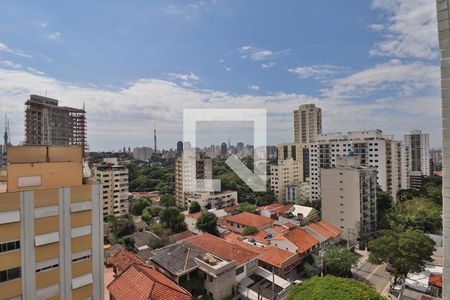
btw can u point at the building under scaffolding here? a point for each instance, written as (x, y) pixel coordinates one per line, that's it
(46, 123)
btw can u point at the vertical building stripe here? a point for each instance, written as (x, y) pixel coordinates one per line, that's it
(97, 243)
(27, 245)
(65, 245)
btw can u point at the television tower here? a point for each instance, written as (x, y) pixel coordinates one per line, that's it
(6, 138)
(154, 139)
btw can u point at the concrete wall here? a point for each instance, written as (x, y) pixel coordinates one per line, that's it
(443, 14)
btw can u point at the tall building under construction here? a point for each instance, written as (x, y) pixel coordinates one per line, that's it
(46, 123)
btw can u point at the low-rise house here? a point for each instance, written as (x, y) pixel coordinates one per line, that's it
(122, 259)
(179, 236)
(325, 232)
(274, 210)
(299, 215)
(297, 240)
(209, 200)
(239, 222)
(271, 258)
(139, 282)
(429, 281)
(220, 264)
(108, 252)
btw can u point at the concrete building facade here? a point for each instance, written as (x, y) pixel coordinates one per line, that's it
(443, 19)
(349, 197)
(376, 150)
(186, 172)
(307, 123)
(113, 177)
(51, 229)
(418, 155)
(142, 153)
(46, 123)
(210, 200)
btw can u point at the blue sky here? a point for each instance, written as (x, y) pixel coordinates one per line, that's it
(368, 64)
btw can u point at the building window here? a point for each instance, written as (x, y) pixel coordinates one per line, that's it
(9, 246)
(10, 274)
(239, 270)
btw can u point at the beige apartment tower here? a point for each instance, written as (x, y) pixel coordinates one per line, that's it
(51, 229)
(188, 170)
(349, 197)
(292, 168)
(113, 177)
(307, 123)
(443, 18)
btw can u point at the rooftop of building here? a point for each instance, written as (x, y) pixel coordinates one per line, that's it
(140, 282)
(325, 229)
(249, 219)
(177, 258)
(222, 248)
(300, 238)
(32, 167)
(123, 258)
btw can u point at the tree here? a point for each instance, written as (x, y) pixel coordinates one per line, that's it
(407, 194)
(128, 243)
(160, 231)
(249, 230)
(207, 222)
(151, 212)
(173, 219)
(194, 207)
(403, 252)
(121, 226)
(167, 200)
(417, 213)
(331, 288)
(139, 205)
(338, 261)
(247, 207)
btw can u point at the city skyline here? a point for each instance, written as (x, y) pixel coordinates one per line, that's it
(377, 68)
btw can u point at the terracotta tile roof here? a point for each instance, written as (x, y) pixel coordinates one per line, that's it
(139, 282)
(179, 236)
(222, 248)
(302, 239)
(425, 298)
(279, 229)
(123, 258)
(289, 225)
(249, 219)
(435, 279)
(195, 216)
(270, 254)
(325, 229)
(260, 236)
(229, 209)
(276, 208)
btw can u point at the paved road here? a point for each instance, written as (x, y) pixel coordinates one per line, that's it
(374, 275)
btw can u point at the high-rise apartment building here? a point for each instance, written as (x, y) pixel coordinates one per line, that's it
(377, 150)
(113, 177)
(51, 228)
(418, 154)
(443, 19)
(179, 148)
(142, 153)
(46, 123)
(349, 199)
(185, 176)
(307, 123)
(289, 170)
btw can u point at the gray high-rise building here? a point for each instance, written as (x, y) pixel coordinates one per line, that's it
(443, 18)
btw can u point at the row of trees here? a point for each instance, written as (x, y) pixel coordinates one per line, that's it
(402, 242)
(152, 178)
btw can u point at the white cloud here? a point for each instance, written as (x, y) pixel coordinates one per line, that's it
(394, 77)
(267, 65)
(4, 48)
(124, 116)
(37, 72)
(186, 79)
(253, 87)
(256, 54)
(54, 36)
(40, 24)
(408, 29)
(10, 64)
(316, 71)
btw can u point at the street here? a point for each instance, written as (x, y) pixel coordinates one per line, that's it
(374, 275)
